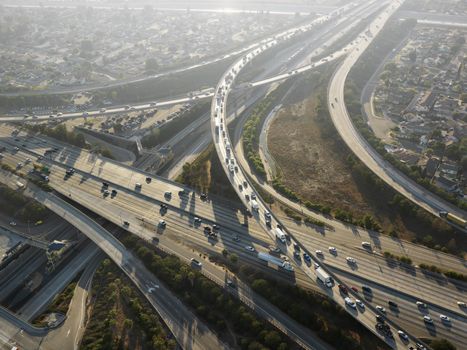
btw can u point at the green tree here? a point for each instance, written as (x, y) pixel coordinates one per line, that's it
(442, 344)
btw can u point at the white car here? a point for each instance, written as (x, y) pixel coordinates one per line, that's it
(366, 245)
(444, 318)
(427, 319)
(403, 335)
(351, 260)
(162, 223)
(12, 223)
(381, 309)
(461, 304)
(319, 253)
(250, 248)
(350, 302)
(421, 304)
(332, 250)
(360, 304)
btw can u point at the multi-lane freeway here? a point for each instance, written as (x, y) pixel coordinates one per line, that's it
(136, 192)
(87, 190)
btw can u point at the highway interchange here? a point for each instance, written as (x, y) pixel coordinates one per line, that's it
(131, 205)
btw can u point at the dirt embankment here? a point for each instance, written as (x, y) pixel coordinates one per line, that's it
(314, 163)
(308, 161)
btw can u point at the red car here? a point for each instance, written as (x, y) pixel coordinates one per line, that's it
(343, 289)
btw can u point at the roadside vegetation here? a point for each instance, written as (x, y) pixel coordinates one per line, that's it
(170, 129)
(59, 133)
(313, 310)
(236, 324)
(254, 124)
(60, 304)
(120, 317)
(206, 175)
(14, 204)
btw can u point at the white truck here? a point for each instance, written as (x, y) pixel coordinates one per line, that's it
(324, 277)
(280, 235)
(254, 205)
(275, 261)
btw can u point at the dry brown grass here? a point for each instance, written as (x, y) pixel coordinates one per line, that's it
(308, 160)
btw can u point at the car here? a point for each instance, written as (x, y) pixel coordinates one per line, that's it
(380, 319)
(203, 196)
(245, 184)
(351, 260)
(297, 255)
(360, 304)
(296, 247)
(349, 301)
(306, 257)
(274, 250)
(105, 184)
(343, 289)
(164, 207)
(420, 346)
(366, 245)
(366, 289)
(332, 250)
(355, 289)
(162, 224)
(240, 187)
(403, 335)
(195, 262)
(126, 223)
(106, 193)
(230, 283)
(392, 304)
(12, 223)
(27, 161)
(236, 238)
(148, 179)
(207, 229)
(138, 185)
(444, 318)
(247, 197)
(19, 165)
(319, 253)
(253, 196)
(427, 319)
(380, 309)
(461, 304)
(250, 248)
(197, 220)
(114, 193)
(167, 194)
(16, 148)
(421, 304)
(70, 171)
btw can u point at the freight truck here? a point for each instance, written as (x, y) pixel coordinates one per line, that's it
(324, 277)
(275, 261)
(453, 218)
(280, 235)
